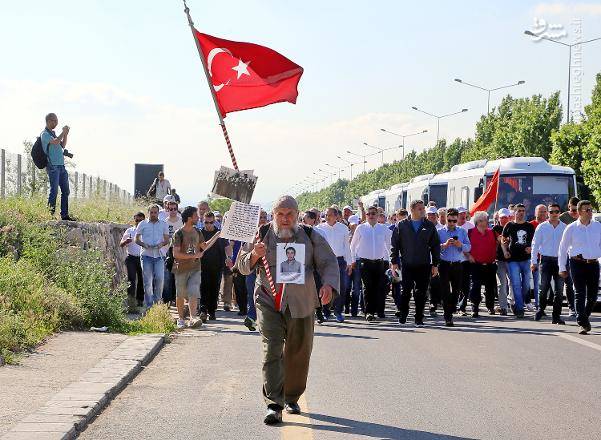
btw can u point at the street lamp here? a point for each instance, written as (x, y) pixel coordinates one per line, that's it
(362, 156)
(381, 150)
(460, 81)
(438, 118)
(569, 46)
(403, 136)
(350, 163)
(335, 168)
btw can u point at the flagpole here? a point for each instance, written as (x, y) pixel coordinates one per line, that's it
(210, 83)
(225, 135)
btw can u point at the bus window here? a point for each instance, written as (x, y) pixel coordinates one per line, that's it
(535, 189)
(404, 199)
(381, 202)
(438, 194)
(425, 196)
(478, 190)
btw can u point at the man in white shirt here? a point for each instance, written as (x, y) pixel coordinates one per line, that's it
(545, 247)
(163, 187)
(338, 237)
(132, 262)
(371, 246)
(462, 220)
(151, 235)
(174, 222)
(581, 242)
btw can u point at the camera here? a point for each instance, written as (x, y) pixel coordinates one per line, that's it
(68, 154)
(455, 237)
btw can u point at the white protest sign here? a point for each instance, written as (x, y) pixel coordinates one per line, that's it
(241, 222)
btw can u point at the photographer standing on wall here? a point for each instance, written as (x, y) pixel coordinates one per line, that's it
(53, 147)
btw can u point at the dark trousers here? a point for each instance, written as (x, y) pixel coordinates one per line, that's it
(435, 292)
(240, 291)
(210, 279)
(396, 295)
(569, 287)
(586, 285)
(451, 277)
(340, 300)
(466, 280)
(549, 272)
(484, 274)
(134, 277)
(372, 274)
(415, 280)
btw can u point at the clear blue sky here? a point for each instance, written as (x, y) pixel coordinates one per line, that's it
(126, 76)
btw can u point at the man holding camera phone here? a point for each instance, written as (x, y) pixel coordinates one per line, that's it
(54, 148)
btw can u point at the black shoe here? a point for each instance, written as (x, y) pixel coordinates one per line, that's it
(397, 313)
(203, 317)
(212, 317)
(403, 319)
(588, 327)
(583, 330)
(68, 218)
(369, 317)
(491, 311)
(449, 323)
(273, 416)
(419, 323)
(503, 312)
(519, 315)
(319, 315)
(539, 315)
(559, 321)
(475, 314)
(250, 324)
(292, 408)
(381, 315)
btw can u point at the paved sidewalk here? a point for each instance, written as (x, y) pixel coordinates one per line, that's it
(74, 394)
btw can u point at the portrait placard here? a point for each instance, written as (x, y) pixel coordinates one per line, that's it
(290, 263)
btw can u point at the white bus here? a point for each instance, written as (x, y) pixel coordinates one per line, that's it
(527, 180)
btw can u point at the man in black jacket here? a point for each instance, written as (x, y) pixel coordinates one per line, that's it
(415, 240)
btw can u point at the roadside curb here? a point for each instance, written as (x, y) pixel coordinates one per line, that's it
(70, 411)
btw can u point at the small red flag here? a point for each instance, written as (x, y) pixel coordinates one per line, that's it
(246, 75)
(489, 196)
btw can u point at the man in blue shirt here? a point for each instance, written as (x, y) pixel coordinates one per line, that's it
(57, 174)
(454, 243)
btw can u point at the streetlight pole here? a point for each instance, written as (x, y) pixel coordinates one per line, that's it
(460, 81)
(362, 156)
(381, 150)
(335, 168)
(438, 118)
(350, 163)
(569, 46)
(403, 136)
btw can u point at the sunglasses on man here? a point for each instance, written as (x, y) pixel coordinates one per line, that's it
(451, 220)
(172, 209)
(587, 210)
(208, 222)
(554, 211)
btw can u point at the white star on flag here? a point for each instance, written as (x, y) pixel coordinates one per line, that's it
(241, 68)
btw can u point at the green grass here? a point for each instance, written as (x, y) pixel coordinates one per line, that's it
(46, 286)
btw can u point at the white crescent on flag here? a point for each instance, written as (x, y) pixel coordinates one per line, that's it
(212, 54)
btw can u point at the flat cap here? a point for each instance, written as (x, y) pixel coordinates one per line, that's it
(286, 202)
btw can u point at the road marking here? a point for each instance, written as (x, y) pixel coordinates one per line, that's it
(580, 341)
(298, 432)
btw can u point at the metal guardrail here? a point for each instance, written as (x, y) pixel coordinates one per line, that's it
(20, 177)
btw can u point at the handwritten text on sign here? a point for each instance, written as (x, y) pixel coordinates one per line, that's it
(241, 222)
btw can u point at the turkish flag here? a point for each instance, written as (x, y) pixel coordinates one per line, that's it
(489, 196)
(246, 75)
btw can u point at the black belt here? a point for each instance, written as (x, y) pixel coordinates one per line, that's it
(548, 256)
(451, 262)
(584, 260)
(375, 261)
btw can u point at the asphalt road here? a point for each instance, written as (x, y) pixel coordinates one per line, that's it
(493, 378)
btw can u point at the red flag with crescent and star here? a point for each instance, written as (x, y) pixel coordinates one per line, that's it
(489, 196)
(247, 75)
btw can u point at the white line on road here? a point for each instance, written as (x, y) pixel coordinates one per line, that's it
(580, 341)
(298, 432)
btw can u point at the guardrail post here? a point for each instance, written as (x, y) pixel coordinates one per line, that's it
(3, 173)
(19, 175)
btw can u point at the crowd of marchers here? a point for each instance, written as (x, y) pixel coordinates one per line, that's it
(441, 257)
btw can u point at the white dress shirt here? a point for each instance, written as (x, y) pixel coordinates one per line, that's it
(152, 233)
(546, 240)
(467, 225)
(580, 239)
(338, 237)
(371, 242)
(132, 248)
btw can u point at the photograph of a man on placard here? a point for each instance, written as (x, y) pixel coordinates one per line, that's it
(290, 263)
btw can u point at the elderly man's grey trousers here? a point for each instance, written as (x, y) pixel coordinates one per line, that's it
(287, 345)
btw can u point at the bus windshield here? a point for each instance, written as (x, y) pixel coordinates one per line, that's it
(535, 189)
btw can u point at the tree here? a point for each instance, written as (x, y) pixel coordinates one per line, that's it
(591, 164)
(221, 204)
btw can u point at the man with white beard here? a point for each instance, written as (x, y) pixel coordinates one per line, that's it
(286, 319)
